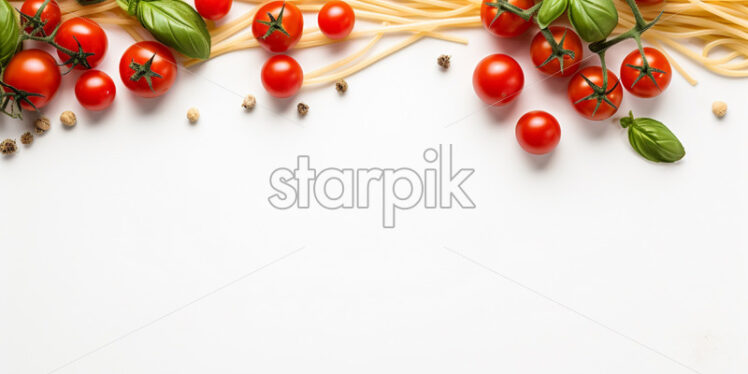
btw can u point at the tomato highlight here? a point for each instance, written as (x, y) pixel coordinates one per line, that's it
(82, 33)
(538, 132)
(559, 61)
(277, 26)
(148, 69)
(505, 24)
(498, 79)
(590, 98)
(213, 9)
(50, 15)
(282, 76)
(336, 19)
(646, 79)
(36, 72)
(95, 90)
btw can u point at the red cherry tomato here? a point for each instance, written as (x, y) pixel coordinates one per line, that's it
(277, 26)
(579, 90)
(541, 52)
(498, 79)
(507, 24)
(538, 132)
(644, 86)
(95, 90)
(135, 72)
(89, 34)
(33, 71)
(50, 15)
(336, 19)
(282, 76)
(213, 9)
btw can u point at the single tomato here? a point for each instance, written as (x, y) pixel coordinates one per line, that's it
(336, 19)
(95, 90)
(589, 97)
(648, 82)
(282, 76)
(498, 79)
(33, 71)
(50, 15)
(91, 37)
(538, 132)
(277, 26)
(148, 69)
(549, 61)
(213, 9)
(507, 24)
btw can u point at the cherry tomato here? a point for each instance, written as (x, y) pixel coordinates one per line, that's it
(95, 90)
(148, 61)
(277, 26)
(282, 76)
(538, 132)
(50, 15)
(213, 9)
(644, 86)
(336, 19)
(579, 89)
(33, 71)
(89, 34)
(541, 52)
(498, 79)
(507, 24)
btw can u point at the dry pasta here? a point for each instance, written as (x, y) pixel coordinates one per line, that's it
(714, 33)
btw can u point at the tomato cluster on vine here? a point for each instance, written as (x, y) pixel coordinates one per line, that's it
(32, 77)
(594, 92)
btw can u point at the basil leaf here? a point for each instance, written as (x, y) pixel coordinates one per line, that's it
(9, 32)
(653, 140)
(123, 4)
(550, 10)
(176, 24)
(594, 20)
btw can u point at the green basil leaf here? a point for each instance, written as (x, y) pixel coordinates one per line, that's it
(594, 20)
(9, 32)
(176, 24)
(653, 140)
(550, 10)
(124, 4)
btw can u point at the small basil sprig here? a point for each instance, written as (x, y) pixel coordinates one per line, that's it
(653, 140)
(550, 10)
(594, 20)
(9, 32)
(172, 22)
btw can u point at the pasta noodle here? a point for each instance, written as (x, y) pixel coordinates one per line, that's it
(713, 33)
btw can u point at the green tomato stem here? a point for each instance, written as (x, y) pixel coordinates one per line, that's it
(558, 52)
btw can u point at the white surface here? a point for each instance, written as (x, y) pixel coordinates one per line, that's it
(109, 227)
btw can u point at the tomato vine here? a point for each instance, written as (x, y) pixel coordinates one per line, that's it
(598, 47)
(32, 28)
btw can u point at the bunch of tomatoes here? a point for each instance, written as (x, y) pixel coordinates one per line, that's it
(149, 68)
(146, 68)
(278, 26)
(498, 79)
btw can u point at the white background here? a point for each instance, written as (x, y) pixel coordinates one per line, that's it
(137, 243)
